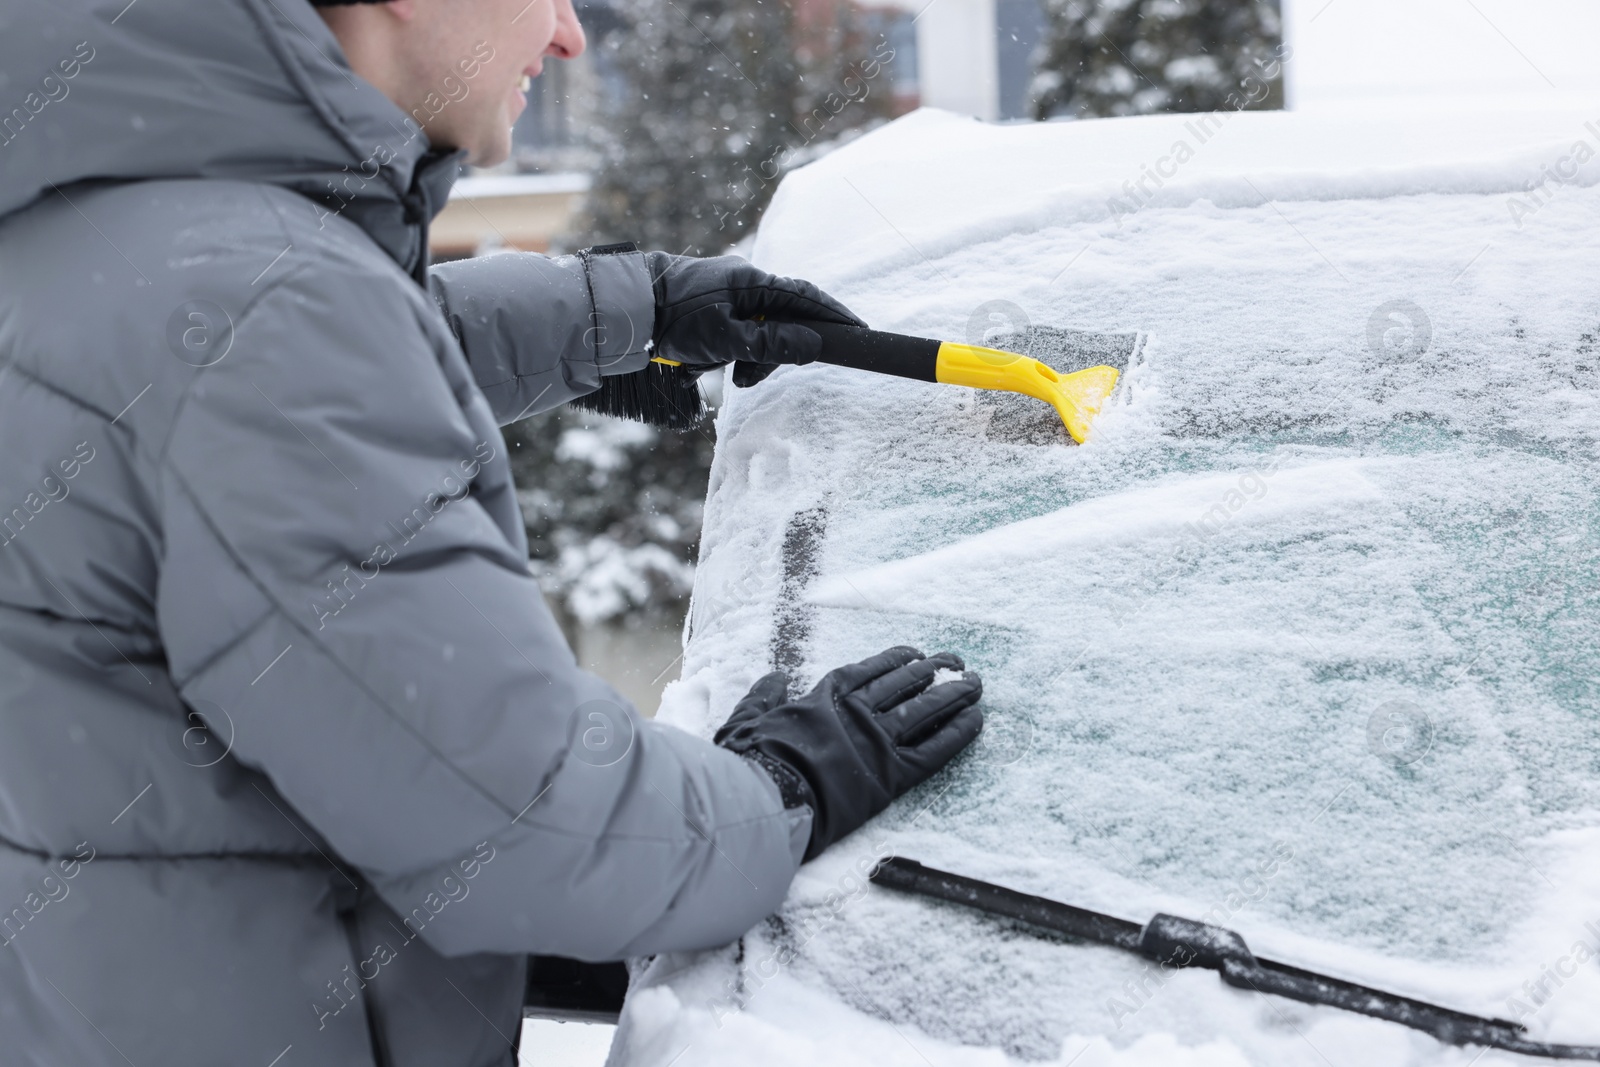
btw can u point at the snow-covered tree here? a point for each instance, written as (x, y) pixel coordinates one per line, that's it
(1135, 57)
(714, 98)
(612, 510)
(705, 104)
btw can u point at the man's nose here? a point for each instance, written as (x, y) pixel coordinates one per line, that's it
(569, 41)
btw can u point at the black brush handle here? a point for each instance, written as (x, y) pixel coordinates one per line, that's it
(898, 354)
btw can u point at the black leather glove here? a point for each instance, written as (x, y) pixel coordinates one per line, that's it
(867, 733)
(710, 312)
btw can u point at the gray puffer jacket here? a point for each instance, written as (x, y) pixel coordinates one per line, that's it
(295, 767)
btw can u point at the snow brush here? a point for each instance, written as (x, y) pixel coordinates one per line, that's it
(1172, 942)
(665, 393)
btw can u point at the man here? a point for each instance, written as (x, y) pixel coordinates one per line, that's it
(295, 767)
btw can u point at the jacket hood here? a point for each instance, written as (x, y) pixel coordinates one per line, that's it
(253, 90)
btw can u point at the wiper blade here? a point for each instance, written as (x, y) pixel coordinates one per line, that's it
(1177, 942)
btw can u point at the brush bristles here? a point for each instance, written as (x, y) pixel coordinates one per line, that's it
(660, 395)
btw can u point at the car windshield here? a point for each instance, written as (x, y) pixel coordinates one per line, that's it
(1302, 642)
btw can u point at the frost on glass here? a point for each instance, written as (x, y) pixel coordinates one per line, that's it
(1303, 641)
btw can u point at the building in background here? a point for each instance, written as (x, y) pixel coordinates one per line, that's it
(524, 212)
(976, 56)
(532, 201)
(968, 56)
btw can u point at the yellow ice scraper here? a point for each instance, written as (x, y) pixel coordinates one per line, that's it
(1076, 397)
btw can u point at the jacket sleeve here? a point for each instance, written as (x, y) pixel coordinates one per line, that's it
(337, 599)
(539, 331)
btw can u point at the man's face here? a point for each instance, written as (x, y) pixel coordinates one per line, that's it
(456, 66)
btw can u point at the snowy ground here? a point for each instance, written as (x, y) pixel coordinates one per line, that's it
(546, 1043)
(1302, 641)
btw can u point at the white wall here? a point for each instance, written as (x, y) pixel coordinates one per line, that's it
(1349, 50)
(957, 57)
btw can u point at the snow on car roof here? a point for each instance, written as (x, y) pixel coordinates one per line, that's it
(1302, 641)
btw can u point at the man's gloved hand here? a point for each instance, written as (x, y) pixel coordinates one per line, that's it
(707, 313)
(867, 733)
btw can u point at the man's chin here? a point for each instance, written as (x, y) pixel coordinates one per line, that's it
(492, 149)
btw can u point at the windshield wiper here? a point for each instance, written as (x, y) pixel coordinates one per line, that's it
(1175, 942)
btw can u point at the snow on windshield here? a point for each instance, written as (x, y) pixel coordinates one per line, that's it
(1304, 641)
